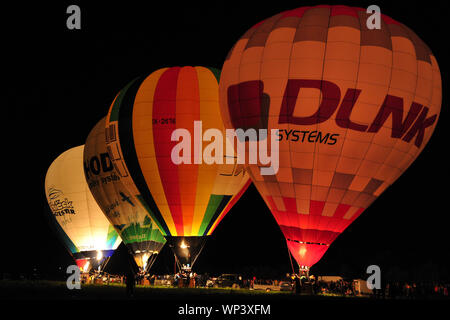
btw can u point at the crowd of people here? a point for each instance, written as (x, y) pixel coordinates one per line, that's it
(186, 279)
(413, 290)
(340, 287)
(180, 279)
(389, 290)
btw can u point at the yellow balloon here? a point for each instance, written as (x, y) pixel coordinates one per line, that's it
(87, 233)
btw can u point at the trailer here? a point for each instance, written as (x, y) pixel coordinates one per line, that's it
(361, 288)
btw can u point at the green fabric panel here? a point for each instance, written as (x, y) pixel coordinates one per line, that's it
(147, 221)
(158, 223)
(138, 233)
(135, 233)
(216, 73)
(157, 235)
(112, 237)
(116, 106)
(223, 203)
(213, 203)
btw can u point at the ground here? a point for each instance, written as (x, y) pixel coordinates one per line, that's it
(43, 290)
(46, 295)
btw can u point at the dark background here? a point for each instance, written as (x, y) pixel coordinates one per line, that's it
(60, 82)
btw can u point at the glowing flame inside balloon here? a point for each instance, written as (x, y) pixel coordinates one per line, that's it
(302, 251)
(99, 255)
(183, 245)
(145, 260)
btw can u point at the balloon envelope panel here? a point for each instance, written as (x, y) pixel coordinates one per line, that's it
(74, 207)
(126, 214)
(184, 199)
(353, 108)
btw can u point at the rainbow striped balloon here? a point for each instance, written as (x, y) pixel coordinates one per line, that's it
(187, 199)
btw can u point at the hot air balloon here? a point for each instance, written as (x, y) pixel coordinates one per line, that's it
(186, 200)
(352, 108)
(129, 218)
(84, 229)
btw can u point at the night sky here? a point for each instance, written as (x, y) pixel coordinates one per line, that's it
(60, 83)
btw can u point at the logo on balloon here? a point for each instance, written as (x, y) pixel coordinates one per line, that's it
(59, 204)
(252, 111)
(96, 165)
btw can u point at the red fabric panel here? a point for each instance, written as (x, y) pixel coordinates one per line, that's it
(299, 12)
(306, 254)
(164, 107)
(343, 10)
(309, 235)
(291, 205)
(341, 210)
(81, 263)
(316, 207)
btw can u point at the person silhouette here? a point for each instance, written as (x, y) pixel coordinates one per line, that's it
(130, 283)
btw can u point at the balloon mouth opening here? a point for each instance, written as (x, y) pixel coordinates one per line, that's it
(307, 242)
(186, 250)
(92, 260)
(145, 259)
(306, 253)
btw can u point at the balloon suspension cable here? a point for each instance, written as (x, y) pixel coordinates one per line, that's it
(177, 264)
(202, 245)
(150, 262)
(290, 258)
(104, 263)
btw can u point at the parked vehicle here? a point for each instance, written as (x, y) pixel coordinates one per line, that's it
(286, 286)
(210, 282)
(267, 285)
(166, 280)
(229, 280)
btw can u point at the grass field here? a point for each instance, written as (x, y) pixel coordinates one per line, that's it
(43, 289)
(107, 300)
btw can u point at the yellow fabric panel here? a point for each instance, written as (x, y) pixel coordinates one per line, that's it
(209, 105)
(143, 138)
(187, 111)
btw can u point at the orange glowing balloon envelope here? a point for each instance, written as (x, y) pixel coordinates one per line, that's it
(354, 108)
